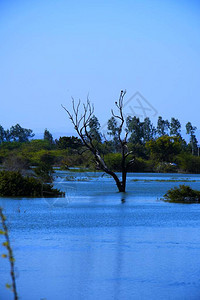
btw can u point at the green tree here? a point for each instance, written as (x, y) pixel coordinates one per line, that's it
(149, 130)
(113, 131)
(135, 128)
(69, 142)
(162, 126)
(44, 170)
(164, 148)
(48, 136)
(94, 127)
(193, 140)
(7, 135)
(19, 134)
(175, 127)
(2, 134)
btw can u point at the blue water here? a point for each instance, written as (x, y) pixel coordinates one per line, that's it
(89, 245)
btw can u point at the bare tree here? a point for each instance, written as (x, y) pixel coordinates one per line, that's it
(81, 124)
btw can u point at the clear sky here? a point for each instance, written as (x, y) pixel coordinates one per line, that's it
(53, 49)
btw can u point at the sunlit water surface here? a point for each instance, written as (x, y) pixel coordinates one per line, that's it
(89, 245)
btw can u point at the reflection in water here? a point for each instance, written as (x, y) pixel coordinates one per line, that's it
(119, 259)
(123, 197)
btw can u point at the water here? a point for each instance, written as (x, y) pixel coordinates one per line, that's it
(90, 245)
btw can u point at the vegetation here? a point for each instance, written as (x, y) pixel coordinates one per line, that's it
(131, 145)
(182, 194)
(14, 184)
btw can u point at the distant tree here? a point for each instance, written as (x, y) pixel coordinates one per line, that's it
(69, 142)
(7, 135)
(162, 126)
(19, 134)
(2, 134)
(175, 127)
(135, 128)
(48, 136)
(94, 126)
(164, 148)
(149, 130)
(44, 170)
(193, 140)
(16, 163)
(113, 132)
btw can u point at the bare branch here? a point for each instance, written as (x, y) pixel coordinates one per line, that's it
(81, 123)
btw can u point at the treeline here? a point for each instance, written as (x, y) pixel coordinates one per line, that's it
(15, 133)
(159, 148)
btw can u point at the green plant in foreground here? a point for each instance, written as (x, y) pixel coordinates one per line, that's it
(9, 255)
(182, 194)
(13, 184)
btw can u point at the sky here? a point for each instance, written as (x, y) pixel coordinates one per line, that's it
(53, 50)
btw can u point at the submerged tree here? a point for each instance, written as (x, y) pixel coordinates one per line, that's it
(82, 123)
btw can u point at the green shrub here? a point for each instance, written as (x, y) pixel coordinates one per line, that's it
(189, 163)
(113, 161)
(164, 167)
(13, 184)
(142, 165)
(182, 194)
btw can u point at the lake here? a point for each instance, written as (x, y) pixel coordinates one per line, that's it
(91, 246)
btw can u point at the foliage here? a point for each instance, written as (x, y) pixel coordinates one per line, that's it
(175, 127)
(162, 127)
(164, 167)
(164, 148)
(13, 184)
(16, 163)
(135, 129)
(142, 165)
(163, 145)
(113, 131)
(94, 127)
(113, 161)
(48, 136)
(189, 163)
(19, 134)
(182, 194)
(69, 142)
(193, 141)
(44, 170)
(2, 134)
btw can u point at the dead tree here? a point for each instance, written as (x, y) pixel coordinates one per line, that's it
(81, 123)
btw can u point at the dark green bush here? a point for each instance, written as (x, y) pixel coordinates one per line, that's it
(13, 184)
(182, 194)
(189, 163)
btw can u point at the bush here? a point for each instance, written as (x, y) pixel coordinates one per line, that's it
(164, 167)
(113, 161)
(182, 194)
(13, 184)
(189, 163)
(142, 165)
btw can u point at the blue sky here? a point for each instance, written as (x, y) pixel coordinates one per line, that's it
(52, 50)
